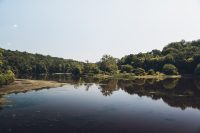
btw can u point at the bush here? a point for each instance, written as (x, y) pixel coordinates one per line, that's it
(7, 78)
(10, 76)
(139, 72)
(90, 68)
(170, 69)
(151, 72)
(197, 70)
(126, 68)
(76, 70)
(108, 64)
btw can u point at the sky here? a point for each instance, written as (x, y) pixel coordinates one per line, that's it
(88, 29)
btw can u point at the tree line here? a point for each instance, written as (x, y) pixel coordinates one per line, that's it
(23, 63)
(175, 58)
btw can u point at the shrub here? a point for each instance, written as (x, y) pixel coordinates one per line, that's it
(151, 72)
(108, 64)
(10, 76)
(170, 69)
(7, 78)
(126, 68)
(139, 72)
(76, 71)
(90, 68)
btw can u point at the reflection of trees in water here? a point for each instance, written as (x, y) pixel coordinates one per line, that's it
(182, 102)
(131, 86)
(2, 102)
(170, 83)
(108, 86)
(151, 81)
(175, 93)
(88, 85)
(197, 83)
(181, 93)
(139, 82)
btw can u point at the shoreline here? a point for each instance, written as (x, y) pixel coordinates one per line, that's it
(24, 85)
(129, 76)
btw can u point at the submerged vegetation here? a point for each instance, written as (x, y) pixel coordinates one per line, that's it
(175, 58)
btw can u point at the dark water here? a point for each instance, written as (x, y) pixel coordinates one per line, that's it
(98, 106)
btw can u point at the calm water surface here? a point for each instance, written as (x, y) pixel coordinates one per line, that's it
(94, 106)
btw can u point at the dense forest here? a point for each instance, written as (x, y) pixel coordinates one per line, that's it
(175, 58)
(23, 63)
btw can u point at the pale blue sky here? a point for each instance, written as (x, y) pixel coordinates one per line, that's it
(88, 29)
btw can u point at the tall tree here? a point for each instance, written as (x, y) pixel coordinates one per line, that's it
(108, 64)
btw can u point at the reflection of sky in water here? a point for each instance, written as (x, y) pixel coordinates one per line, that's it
(69, 109)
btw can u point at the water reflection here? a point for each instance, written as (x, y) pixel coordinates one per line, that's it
(181, 93)
(170, 83)
(107, 87)
(175, 92)
(105, 105)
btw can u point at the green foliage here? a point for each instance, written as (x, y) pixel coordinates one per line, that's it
(76, 70)
(170, 69)
(108, 64)
(169, 58)
(139, 71)
(151, 72)
(183, 55)
(126, 68)
(6, 76)
(156, 52)
(196, 58)
(23, 63)
(197, 70)
(91, 68)
(9, 77)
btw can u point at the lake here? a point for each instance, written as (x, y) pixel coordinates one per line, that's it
(105, 106)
